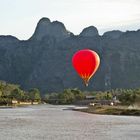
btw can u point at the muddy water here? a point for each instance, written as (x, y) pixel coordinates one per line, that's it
(48, 122)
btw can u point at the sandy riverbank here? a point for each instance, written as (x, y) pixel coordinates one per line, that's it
(111, 110)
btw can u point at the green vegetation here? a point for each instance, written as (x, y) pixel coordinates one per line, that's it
(68, 96)
(125, 96)
(104, 95)
(130, 97)
(34, 95)
(110, 110)
(9, 92)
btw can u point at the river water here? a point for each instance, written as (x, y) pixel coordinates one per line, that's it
(48, 122)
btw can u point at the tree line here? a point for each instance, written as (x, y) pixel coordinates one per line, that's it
(9, 92)
(69, 96)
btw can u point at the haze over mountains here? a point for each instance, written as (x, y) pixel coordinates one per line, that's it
(44, 61)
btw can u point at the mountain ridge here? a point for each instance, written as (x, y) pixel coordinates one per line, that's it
(48, 21)
(44, 60)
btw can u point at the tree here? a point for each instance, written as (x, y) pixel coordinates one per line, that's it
(52, 98)
(17, 94)
(34, 95)
(104, 95)
(78, 94)
(127, 96)
(67, 97)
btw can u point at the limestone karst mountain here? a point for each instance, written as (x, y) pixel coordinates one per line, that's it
(44, 61)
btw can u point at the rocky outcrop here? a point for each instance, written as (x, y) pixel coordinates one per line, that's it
(113, 34)
(53, 29)
(44, 61)
(90, 31)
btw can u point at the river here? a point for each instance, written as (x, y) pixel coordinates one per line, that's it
(48, 122)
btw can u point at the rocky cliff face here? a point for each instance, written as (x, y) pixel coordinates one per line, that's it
(90, 31)
(44, 61)
(54, 29)
(113, 34)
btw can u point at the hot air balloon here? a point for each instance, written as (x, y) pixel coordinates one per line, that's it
(86, 63)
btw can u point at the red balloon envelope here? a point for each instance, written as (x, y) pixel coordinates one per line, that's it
(86, 63)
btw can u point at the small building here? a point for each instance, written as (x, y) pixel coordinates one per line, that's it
(14, 101)
(24, 103)
(90, 97)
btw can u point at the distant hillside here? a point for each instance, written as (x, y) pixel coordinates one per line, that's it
(44, 61)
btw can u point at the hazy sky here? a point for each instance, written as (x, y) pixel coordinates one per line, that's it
(19, 17)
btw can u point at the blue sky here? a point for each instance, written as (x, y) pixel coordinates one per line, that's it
(19, 17)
